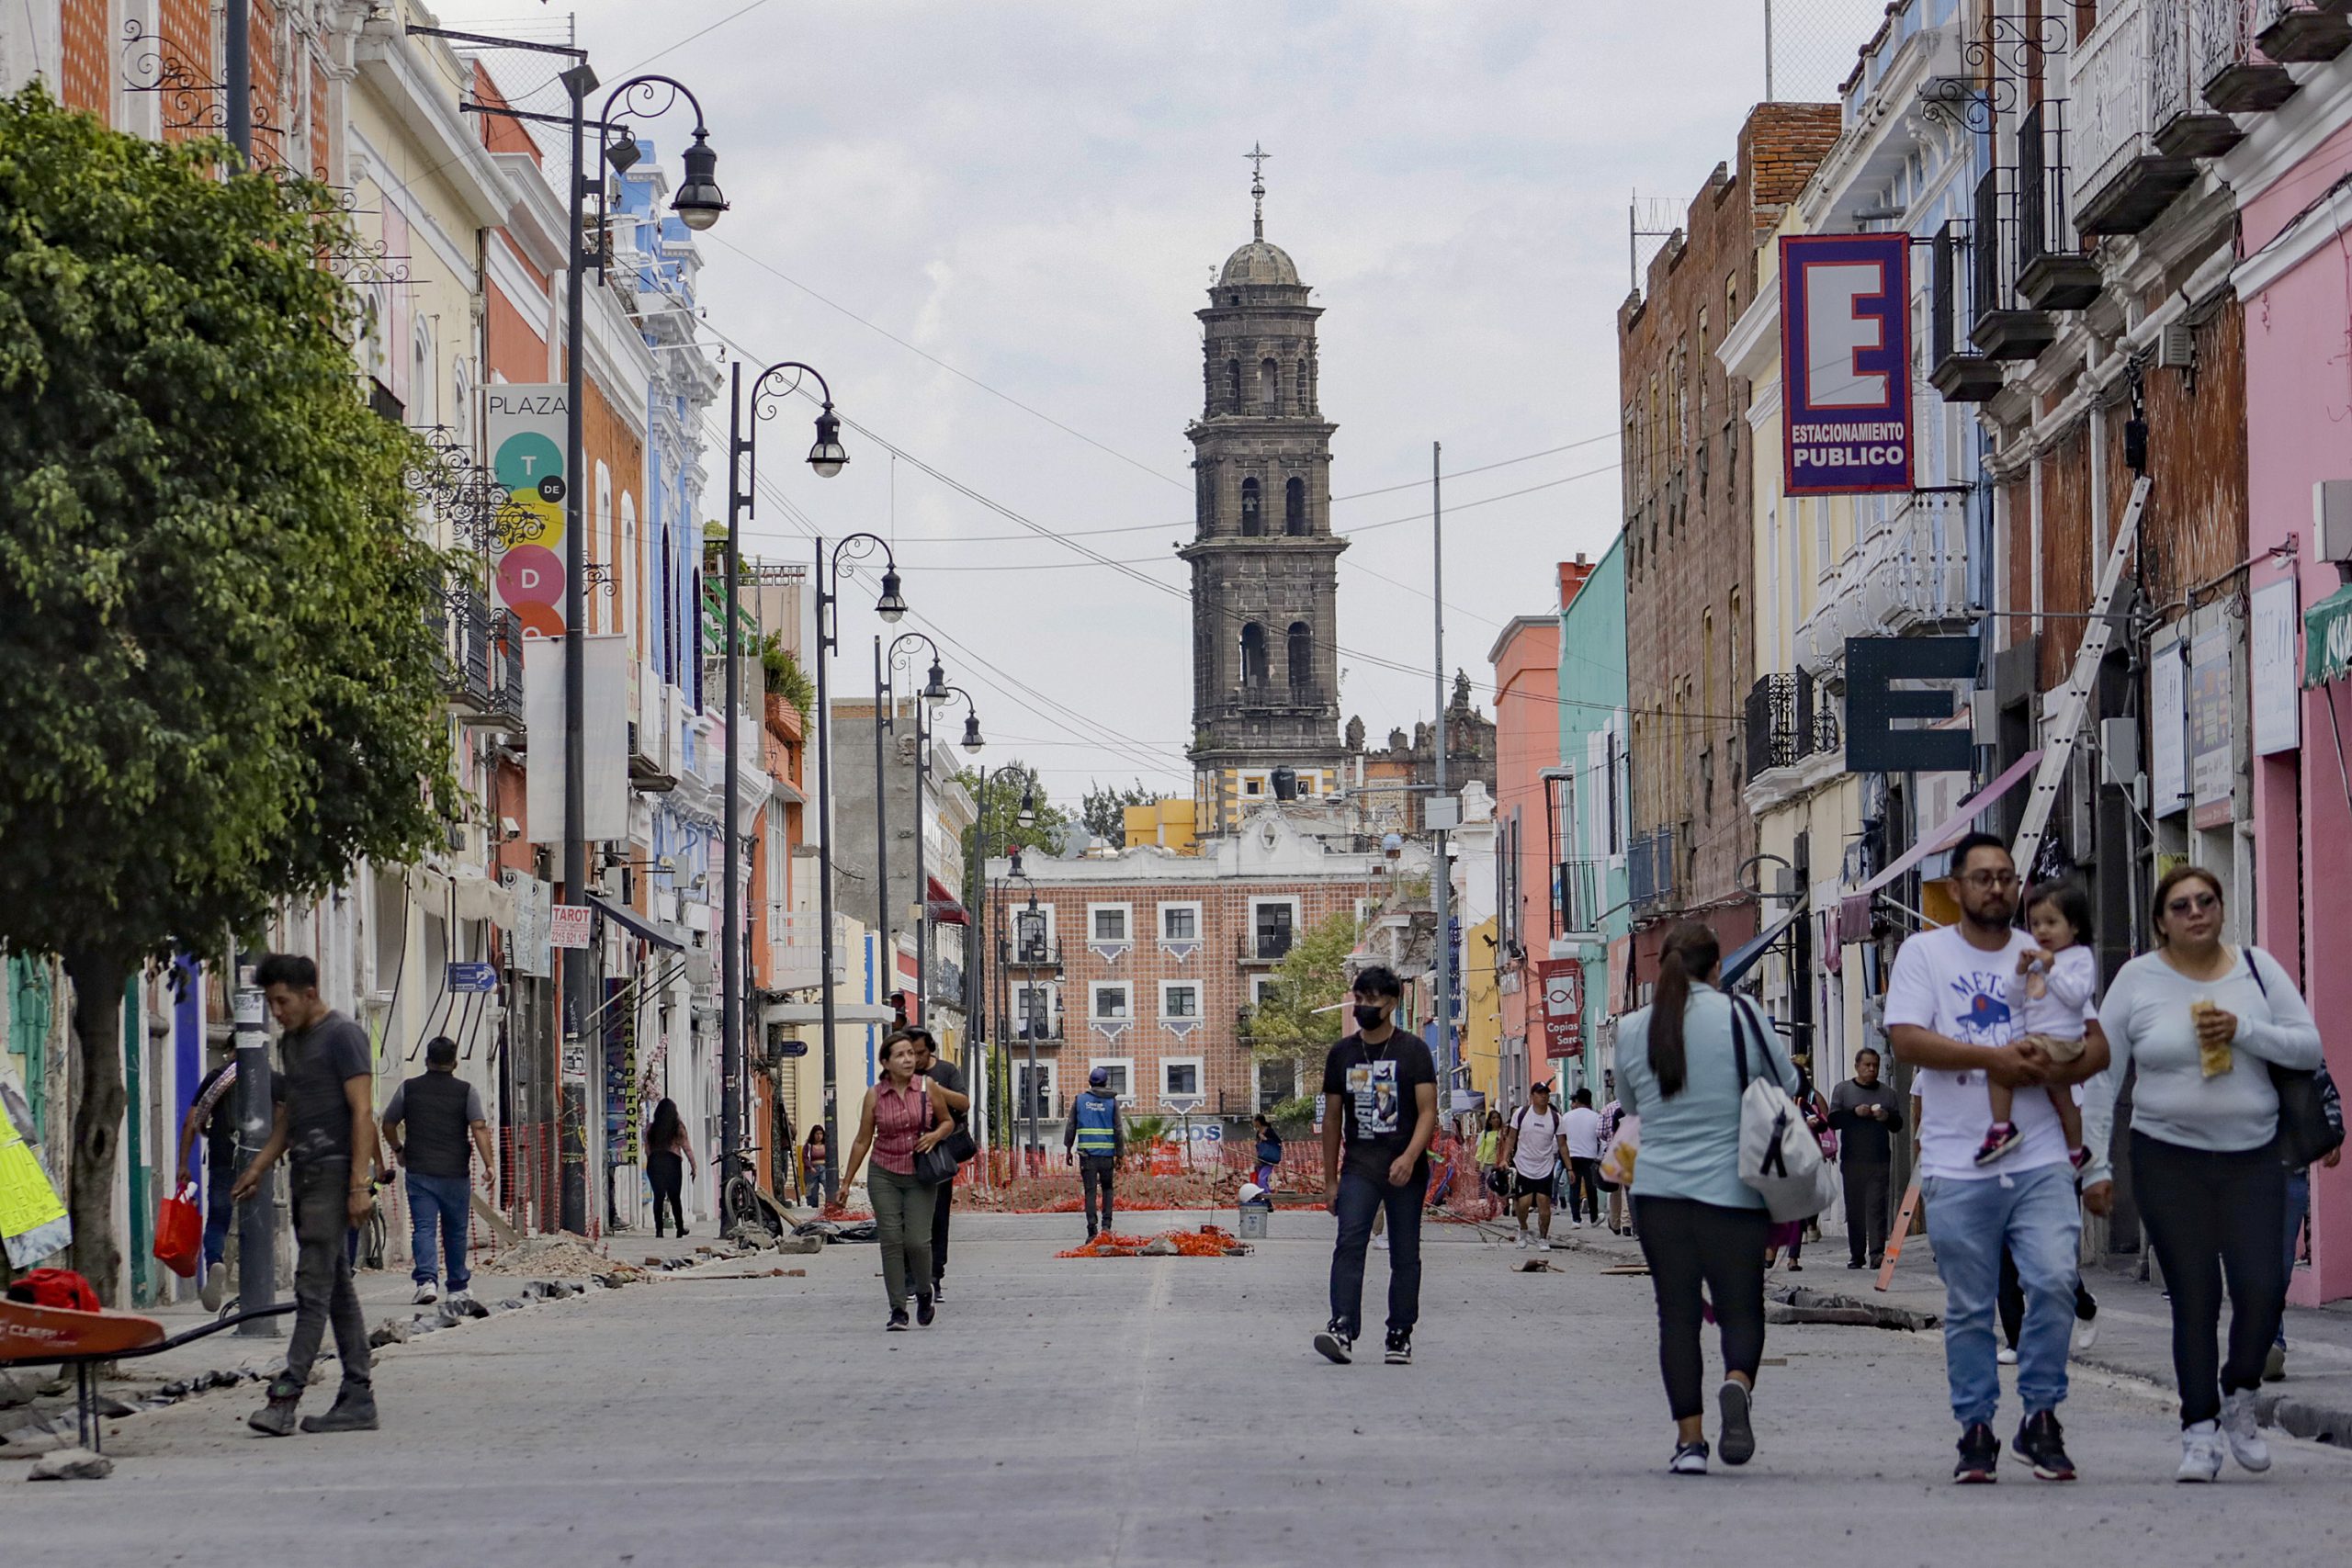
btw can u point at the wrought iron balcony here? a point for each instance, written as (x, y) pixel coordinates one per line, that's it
(2002, 330)
(1958, 373)
(1580, 899)
(2238, 75)
(466, 648)
(2154, 84)
(2301, 31)
(1787, 721)
(1030, 953)
(2052, 272)
(1649, 870)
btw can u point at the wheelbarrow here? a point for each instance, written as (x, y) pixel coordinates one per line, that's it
(36, 1336)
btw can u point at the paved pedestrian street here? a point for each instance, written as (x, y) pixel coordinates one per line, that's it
(1140, 1411)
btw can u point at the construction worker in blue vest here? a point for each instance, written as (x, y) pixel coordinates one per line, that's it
(1093, 1140)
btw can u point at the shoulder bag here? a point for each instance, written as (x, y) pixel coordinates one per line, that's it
(2306, 1132)
(935, 1166)
(1778, 1156)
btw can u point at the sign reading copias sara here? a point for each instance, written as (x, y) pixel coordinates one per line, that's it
(1846, 361)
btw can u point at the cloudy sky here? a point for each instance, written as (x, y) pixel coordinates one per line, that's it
(989, 224)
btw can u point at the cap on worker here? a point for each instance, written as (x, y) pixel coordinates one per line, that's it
(1541, 1086)
(1099, 1078)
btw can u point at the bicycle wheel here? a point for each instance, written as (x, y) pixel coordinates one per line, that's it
(742, 1204)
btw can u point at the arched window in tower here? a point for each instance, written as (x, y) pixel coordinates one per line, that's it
(1270, 388)
(1295, 507)
(1253, 658)
(1252, 522)
(1233, 385)
(1300, 388)
(1302, 661)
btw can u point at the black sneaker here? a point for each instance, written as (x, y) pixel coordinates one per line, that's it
(939, 1289)
(1400, 1347)
(1979, 1452)
(925, 1311)
(898, 1324)
(1689, 1459)
(1335, 1344)
(2041, 1441)
(1737, 1438)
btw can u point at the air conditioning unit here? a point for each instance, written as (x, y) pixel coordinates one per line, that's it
(2332, 519)
(2177, 348)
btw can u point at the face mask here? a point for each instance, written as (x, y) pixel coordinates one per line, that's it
(1369, 1014)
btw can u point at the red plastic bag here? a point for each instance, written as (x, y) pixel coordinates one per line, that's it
(54, 1288)
(179, 1232)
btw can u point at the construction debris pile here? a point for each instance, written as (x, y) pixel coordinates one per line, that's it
(1206, 1242)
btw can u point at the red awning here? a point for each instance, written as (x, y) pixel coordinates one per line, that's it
(944, 909)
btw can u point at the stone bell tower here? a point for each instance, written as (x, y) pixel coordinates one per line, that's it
(1265, 565)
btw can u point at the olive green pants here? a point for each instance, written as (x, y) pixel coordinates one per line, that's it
(903, 1219)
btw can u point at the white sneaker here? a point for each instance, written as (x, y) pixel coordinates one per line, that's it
(2006, 1356)
(426, 1294)
(461, 1299)
(2245, 1435)
(1542, 1243)
(215, 1288)
(2086, 1334)
(2201, 1452)
(1520, 1241)
(1380, 1242)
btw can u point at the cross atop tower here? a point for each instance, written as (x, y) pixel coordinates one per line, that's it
(1258, 156)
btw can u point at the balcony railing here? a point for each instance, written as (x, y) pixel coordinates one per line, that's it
(1649, 870)
(2301, 31)
(465, 633)
(2003, 327)
(1788, 720)
(1960, 374)
(2053, 273)
(795, 955)
(1030, 953)
(1915, 573)
(1265, 947)
(1580, 899)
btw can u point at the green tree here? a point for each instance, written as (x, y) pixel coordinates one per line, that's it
(999, 824)
(1303, 1012)
(219, 629)
(1104, 808)
(785, 676)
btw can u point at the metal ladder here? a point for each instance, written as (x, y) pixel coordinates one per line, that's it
(2075, 696)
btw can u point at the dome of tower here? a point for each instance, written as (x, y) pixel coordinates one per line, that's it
(1258, 262)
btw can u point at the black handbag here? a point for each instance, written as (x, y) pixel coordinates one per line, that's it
(2307, 1132)
(961, 1145)
(935, 1167)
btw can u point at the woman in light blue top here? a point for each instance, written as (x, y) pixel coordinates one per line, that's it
(1679, 1070)
(2205, 1021)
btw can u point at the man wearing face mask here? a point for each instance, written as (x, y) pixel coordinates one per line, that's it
(1380, 1112)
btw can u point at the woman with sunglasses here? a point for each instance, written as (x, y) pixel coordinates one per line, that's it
(2205, 1021)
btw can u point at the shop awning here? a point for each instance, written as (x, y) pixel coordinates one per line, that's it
(2327, 638)
(944, 909)
(1949, 830)
(1743, 957)
(630, 921)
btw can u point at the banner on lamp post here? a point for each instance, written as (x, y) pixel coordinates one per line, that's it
(1846, 363)
(524, 424)
(1562, 984)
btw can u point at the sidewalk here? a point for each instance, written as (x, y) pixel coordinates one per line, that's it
(2313, 1401)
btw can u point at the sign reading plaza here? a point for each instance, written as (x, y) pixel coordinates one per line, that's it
(1845, 357)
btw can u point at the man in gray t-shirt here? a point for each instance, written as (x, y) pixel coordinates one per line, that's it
(948, 1077)
(326, 1121)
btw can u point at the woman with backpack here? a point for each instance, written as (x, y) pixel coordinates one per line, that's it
(1704, 1229)
(2210, 1026)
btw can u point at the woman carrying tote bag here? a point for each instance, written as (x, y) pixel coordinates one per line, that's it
(1680, 1070)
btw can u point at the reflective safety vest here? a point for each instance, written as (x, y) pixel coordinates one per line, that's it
(1098, 1123)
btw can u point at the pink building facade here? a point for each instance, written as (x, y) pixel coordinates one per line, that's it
(2290, 176)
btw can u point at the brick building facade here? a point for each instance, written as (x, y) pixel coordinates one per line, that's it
(1689, 560)
(1146, 962)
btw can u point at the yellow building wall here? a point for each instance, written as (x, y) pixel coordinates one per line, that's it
(1482, 1013)
(1168, 824)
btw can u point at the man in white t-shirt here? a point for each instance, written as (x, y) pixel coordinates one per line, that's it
(1533, 1147)
(1581, 1136)
(1948, 1014)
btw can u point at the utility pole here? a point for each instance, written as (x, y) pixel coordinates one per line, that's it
(572, 1076)
(238, 66)
(885, 718)
(1440, 879)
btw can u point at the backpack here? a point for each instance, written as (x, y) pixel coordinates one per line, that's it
(1778, 1155)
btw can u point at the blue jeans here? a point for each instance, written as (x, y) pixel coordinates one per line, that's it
(438, 1202)
(1361, 1197)
(2299, 1205)
(221, 1212)
(2034, 1213)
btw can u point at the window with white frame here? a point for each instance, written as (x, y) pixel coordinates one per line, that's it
(1277, 1081)
(1180, 1076)
(1109, 1000)
(1179, 922)
(1033, 933)
(1035, 1008)
(1119, 1070)
(1260, 984)
(1273, 925)
(1035, 1097)
(1107, 922)
(1180, 1001)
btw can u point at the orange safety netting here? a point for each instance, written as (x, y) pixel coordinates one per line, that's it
(1206, 1242)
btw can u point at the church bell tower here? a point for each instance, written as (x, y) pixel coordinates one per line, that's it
(1265, 564)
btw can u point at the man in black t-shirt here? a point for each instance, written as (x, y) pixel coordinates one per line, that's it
(1380, 1112)
(948, 1077)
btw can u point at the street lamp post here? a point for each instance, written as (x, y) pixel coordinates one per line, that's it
(698, 205)
(891, 605)
(826, 458)
(886, 718)
(972, 743)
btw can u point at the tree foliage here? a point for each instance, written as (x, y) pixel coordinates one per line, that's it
(786, 679)
(219, 629)
(1104, 808)
(1302, 1013)
(998, 826)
